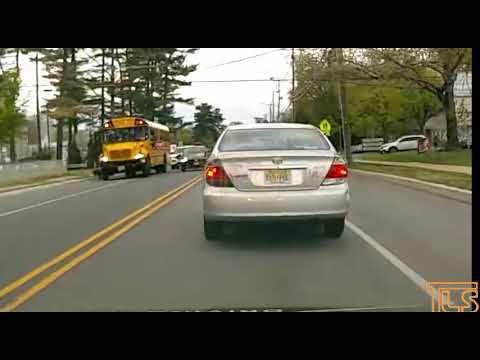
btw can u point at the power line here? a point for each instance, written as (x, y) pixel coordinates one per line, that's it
(25, 86)
(93, 58)
(352, 82)
(240, 80)
(203, 81)
(243, 59)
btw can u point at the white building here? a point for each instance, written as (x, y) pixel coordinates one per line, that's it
(463, 106)
(436, 126)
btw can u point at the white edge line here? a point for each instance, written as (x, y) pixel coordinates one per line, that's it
(16, 211)
(366, 308)
(440, 186)
(400, 265)
(39, 187)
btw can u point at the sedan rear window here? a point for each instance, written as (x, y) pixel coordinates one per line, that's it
(273, 139)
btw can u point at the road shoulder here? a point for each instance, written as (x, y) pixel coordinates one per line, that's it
(42, 184)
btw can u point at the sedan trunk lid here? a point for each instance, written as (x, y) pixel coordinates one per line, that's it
(277, 170)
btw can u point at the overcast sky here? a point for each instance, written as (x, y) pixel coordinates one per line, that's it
(237, 101)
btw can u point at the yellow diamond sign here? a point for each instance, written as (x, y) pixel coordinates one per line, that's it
(325, 127)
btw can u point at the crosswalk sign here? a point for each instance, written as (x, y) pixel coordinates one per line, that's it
(325, 127)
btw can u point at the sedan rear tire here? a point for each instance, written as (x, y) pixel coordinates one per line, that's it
(334, 228)
(212, 229)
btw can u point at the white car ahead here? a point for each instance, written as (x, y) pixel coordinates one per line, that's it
(409, 142)
(270, 172)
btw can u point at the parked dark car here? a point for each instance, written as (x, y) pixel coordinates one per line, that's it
(192, 157)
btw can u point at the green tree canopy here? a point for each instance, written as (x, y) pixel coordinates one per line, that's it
(12, 120)
(431, 69)
(381, 100)
(157, 74)
(208, 124)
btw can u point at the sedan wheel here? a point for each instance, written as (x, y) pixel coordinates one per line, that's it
(334, 228)
(212, 229)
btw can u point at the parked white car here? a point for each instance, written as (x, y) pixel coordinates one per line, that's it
(408, 142)
(174, 160)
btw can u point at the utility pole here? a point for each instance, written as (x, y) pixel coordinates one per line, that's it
(112, 78)
(342, 106)
(130, 101)
(48, 129)
(103, 88)
(39, 135)
(293, 84)
(273, 106)
(278, 103)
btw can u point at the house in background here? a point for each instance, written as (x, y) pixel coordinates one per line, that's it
(436, 130)
(463, 107)
(436, 126)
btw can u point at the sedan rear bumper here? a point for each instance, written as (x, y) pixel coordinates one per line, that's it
(229, 204)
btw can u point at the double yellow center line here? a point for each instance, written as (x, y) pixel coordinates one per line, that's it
(121, 226)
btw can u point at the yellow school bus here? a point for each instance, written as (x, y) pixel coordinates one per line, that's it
(132, 144)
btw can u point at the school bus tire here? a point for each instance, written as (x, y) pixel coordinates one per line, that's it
(146, 169)
(129, 173)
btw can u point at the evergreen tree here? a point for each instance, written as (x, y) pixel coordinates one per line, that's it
(156, 74)
(208, 124)
(64, 71)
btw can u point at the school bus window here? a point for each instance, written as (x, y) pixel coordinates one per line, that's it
(124, 134)
(151, 134)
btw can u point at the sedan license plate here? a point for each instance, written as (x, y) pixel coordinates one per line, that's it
(121, 168)
(277, 176)
(196, 162)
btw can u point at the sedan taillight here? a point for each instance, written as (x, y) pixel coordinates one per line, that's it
(215, 175)
(337, 174)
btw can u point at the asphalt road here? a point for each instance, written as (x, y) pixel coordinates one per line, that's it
(164, 263)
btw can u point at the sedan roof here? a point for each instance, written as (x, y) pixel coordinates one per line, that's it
(271, 126)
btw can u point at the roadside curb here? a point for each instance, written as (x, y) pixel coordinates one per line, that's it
(426, 166)
(60, 181)
(402, 178)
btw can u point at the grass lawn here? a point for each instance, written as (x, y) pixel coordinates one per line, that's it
(458, 157)
(462, 181)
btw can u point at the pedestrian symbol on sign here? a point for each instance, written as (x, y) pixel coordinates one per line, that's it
(325, 127)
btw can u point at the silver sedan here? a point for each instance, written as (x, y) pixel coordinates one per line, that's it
(275, 172)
